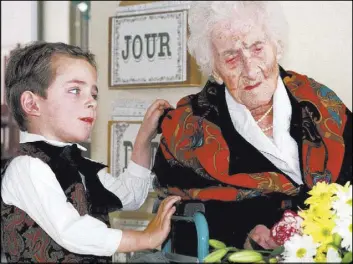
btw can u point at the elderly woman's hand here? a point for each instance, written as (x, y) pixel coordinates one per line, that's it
(262, 236)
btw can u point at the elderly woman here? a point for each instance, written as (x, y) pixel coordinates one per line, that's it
(257, 137)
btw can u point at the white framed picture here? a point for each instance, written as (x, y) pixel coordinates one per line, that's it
(148, 48)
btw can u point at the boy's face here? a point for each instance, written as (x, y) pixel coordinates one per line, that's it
(69, 112)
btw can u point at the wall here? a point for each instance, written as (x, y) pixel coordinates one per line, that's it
(56, 21)
(320, 46)
(320, 43)
(18, 22)
(18, 25)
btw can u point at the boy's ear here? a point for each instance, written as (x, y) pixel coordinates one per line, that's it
(29, 103)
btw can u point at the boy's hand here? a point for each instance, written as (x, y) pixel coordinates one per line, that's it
(262, 236)
(141, 153)
(148, 129)
(158, 229)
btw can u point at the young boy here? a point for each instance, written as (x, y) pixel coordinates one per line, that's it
(55, 202)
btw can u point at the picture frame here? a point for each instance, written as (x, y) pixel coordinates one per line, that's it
(121, 139)
(148, 48)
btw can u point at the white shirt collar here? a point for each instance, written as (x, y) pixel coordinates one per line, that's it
(245, 124)
(29, 137)
(282, 149)
(282, 108)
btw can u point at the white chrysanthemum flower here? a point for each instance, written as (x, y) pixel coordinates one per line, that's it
(344, 229)
(343, 204)
(299, 249)
(332, 256)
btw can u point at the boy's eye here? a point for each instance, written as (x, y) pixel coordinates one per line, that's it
(74, 90)
(95, 96)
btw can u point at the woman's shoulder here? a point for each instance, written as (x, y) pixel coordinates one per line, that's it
(301, 84)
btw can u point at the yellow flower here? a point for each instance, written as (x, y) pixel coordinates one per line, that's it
(322, 249)
(317, 211)
(307, 216)
(321, 193)
(320, 258)
(320, 229)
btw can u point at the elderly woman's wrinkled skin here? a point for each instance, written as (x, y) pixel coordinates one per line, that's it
(245, 59)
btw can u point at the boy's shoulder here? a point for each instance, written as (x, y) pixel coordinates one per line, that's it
(16, 161)
(21, 166)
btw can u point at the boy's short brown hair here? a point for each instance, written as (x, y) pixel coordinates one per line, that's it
(30, 69)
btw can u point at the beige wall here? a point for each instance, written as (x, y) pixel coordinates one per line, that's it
(320, 43)
(320, 47)
(56, 21)
(18, 23)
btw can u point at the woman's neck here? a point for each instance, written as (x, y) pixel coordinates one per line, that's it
(263, 116)
(259, 111)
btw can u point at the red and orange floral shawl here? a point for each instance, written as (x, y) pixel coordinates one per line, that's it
(198, 160)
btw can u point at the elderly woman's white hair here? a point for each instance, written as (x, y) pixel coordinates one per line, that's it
(204, 15)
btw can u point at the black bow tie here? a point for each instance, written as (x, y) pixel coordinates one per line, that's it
(66, 162)
(71, 153)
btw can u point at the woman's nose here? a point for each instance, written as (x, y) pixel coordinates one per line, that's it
(250, 68)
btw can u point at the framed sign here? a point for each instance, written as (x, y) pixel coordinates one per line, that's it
(121, 139)
(148, 49)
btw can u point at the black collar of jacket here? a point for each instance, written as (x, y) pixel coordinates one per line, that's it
(66, 163)
(211, 104)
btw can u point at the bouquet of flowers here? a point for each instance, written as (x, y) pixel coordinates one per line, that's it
(320, 233)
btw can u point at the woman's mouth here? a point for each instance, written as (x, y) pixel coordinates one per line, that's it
(250, 87)
(87, 119)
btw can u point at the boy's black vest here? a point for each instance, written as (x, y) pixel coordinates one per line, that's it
(23, 240)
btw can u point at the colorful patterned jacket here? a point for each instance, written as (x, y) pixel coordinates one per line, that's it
(202, 157)
(23, 240)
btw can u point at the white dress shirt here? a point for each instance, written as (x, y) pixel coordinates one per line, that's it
(282, 149)
(31, 185)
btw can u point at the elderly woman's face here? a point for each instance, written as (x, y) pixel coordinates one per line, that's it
(245, 59)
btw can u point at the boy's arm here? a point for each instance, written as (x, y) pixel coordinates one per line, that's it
(141, 153)
(132, 186)
(30, 185)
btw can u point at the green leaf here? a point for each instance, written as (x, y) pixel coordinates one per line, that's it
(216, 244)
(215, 256)
(337, 239)
(233, 249)
(245, 256)
(277, 251)
(272, 260)
(332, 244)
(347, 258)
